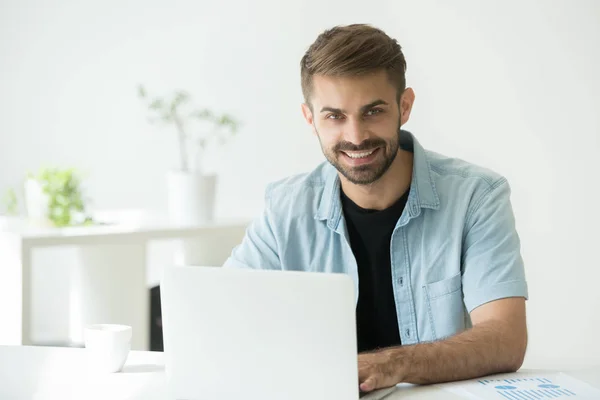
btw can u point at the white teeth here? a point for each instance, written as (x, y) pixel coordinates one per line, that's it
(360, 155)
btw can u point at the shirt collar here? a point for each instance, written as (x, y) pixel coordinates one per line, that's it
(423, 193)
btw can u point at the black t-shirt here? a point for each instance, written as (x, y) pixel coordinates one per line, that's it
(370, 235)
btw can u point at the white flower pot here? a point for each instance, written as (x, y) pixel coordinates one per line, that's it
(191, 201)
(36, 203)
(191, 197)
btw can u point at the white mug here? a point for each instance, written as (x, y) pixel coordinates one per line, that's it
(107, 346)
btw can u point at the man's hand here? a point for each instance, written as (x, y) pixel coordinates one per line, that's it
(496, 343)
(377, 370)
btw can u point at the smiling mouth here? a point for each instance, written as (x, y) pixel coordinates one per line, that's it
(356, 155)
(361, 158)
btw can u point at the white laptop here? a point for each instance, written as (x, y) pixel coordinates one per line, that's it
(233, 334)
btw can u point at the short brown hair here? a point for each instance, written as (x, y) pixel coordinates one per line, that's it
(356, 49)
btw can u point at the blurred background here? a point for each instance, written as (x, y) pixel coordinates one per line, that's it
(511, 85)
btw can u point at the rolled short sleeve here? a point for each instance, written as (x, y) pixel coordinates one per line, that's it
(258, 249)
(492, 266)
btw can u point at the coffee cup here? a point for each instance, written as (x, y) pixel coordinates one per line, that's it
(108, 346)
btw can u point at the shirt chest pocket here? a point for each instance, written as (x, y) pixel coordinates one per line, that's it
(445, 307)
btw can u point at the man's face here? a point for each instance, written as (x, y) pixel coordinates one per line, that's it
(357, 121)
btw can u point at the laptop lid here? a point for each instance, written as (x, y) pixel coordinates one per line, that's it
(234, 334)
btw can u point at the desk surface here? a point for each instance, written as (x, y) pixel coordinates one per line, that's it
(49, 372)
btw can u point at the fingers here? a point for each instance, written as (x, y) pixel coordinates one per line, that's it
(367, 373)
(369, 384)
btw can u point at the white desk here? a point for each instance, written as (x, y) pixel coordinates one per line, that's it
(111, 267)
(51, 373)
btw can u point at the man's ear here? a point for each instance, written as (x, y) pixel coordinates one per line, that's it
(308, 116)
(406, 102)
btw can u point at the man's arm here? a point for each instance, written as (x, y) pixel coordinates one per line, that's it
(496, 343)
(494, 288)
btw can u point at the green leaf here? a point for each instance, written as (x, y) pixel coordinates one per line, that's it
(204, 114)
(157, 104)
(88, 222)
(227, 121)
(142, 91)
(10, 202)
(179, 99)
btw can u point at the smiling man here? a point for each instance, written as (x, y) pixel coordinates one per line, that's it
(429, 240)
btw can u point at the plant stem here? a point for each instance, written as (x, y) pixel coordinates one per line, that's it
(182, 150)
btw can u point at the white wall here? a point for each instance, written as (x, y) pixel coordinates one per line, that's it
(512, 85)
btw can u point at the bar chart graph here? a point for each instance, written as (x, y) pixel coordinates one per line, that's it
(528, 388)
(524, 386)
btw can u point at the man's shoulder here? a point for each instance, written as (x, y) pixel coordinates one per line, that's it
(314, 179)
(302, 191)
(460, 172)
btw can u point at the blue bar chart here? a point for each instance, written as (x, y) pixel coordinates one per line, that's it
(533, 388)
(525, 386)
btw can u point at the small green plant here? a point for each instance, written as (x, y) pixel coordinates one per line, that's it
(62, 187)
(10, 202)
(65, 197)
(175, 110)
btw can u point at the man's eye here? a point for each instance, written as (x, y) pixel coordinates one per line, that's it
(374, 111)
(334, 116)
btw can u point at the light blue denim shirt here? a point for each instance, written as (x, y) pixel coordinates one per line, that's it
(454, 248)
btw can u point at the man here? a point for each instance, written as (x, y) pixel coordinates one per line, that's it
(430, 241)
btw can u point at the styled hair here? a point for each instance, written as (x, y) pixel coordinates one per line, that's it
(353, 50)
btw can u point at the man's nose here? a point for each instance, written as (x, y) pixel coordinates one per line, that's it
(354, 131)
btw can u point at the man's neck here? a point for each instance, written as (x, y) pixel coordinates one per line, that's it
(386, 190)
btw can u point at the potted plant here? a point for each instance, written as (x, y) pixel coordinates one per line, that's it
(53, 197)
(191, 189)
(10, 208)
